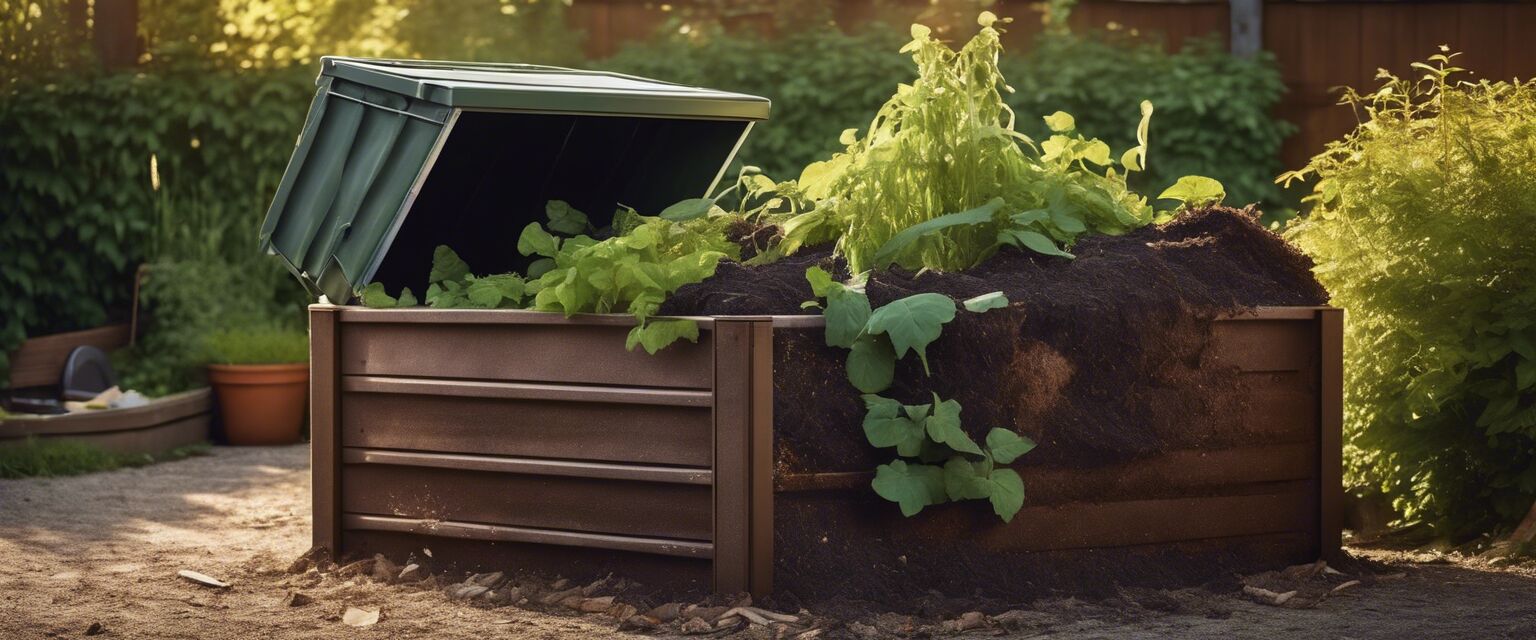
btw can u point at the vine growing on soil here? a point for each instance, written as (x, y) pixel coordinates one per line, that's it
(937, 461)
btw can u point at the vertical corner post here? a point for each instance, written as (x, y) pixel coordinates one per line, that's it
(324, 430)
(743, 455)
(1331, 438)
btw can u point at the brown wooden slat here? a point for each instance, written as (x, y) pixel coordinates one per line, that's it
(1116, 524)
(551, 353)
(527, 391)
(146, 438)
(1278, 411)
(1331, 406)
(500, 317)
(324, 425)
(494, 533)
(594, 505)
(685, 576)
(732, 456)
(1172, 474)
(40, 361)
(530, 466)
(646, 434)
(1265, 345)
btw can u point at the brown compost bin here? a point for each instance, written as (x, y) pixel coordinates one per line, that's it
(527, 440)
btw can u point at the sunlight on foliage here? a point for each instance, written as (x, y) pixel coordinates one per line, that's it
(1422, 232)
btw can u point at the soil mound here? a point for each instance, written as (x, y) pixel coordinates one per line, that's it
(1102, 360)
(1093, 358)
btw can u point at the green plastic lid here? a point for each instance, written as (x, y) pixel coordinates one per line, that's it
(397, 157)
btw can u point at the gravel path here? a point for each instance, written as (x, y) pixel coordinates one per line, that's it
(104, 549)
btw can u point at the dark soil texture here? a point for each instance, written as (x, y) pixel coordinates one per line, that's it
(1103, 360)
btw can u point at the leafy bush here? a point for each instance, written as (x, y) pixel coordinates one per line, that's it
(82, 157)
(821, 81)
(1421, 231)
(184, 303)
(258, 345)
(1213, 109)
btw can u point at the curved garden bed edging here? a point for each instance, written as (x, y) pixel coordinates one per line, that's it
(166, 423)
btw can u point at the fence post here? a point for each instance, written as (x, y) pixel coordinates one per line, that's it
(1247, 18)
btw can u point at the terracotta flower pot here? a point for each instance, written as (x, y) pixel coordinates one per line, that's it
(262, 404)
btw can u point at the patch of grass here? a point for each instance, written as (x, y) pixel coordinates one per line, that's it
(49, 458)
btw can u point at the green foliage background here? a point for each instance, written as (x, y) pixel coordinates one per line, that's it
(1422, 231)
(223, 85)
(1213, 110)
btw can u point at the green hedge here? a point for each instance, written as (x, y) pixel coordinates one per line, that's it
(1213, 110)
(79, 207)
(1422, 231)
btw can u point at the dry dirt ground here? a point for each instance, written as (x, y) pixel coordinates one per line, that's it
(104, 549)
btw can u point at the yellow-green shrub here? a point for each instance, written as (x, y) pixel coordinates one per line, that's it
(1423, 232)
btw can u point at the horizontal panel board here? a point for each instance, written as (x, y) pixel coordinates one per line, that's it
(1084, 525)
(531, 466)
(647, 434)
(547, 502)
(1280, 407)
(497, 533)
(1265, 345)
(528, 391)
(681, 575)
(557, 353)
(1174, 474)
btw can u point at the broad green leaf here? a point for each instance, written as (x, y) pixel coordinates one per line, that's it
(871, 364)
(565, 219)
(498, 291)
(1194, 191)
(1095, 151)
(963, 481)
(1031, 240)
(821, 281)
(688, 209)
(1060, 122)
(1067, 220)
(847, 313)
(1007, 494)
(943, 426)
(983, 214)
(536, 241)
(374, 296)
(407, 299)
(985, 302)
(446, 265)
(913, 322)
(540, 267)
(658, 334)
(913, 486)
(885, 425)
(1006, 446)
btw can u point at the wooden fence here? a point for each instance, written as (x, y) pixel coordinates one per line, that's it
(1319, 45)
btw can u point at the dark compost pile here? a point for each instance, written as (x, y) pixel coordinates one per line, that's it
(1101, 360)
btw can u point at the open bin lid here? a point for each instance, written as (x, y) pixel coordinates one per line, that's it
(397, 157)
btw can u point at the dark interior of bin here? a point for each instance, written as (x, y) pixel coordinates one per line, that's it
(497, 170)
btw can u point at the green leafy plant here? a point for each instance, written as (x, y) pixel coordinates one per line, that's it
(633, 273)
(931, 432)
(258, 345)
(941, 179)
(1420, 229)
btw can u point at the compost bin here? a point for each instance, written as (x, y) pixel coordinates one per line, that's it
(516, 439)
